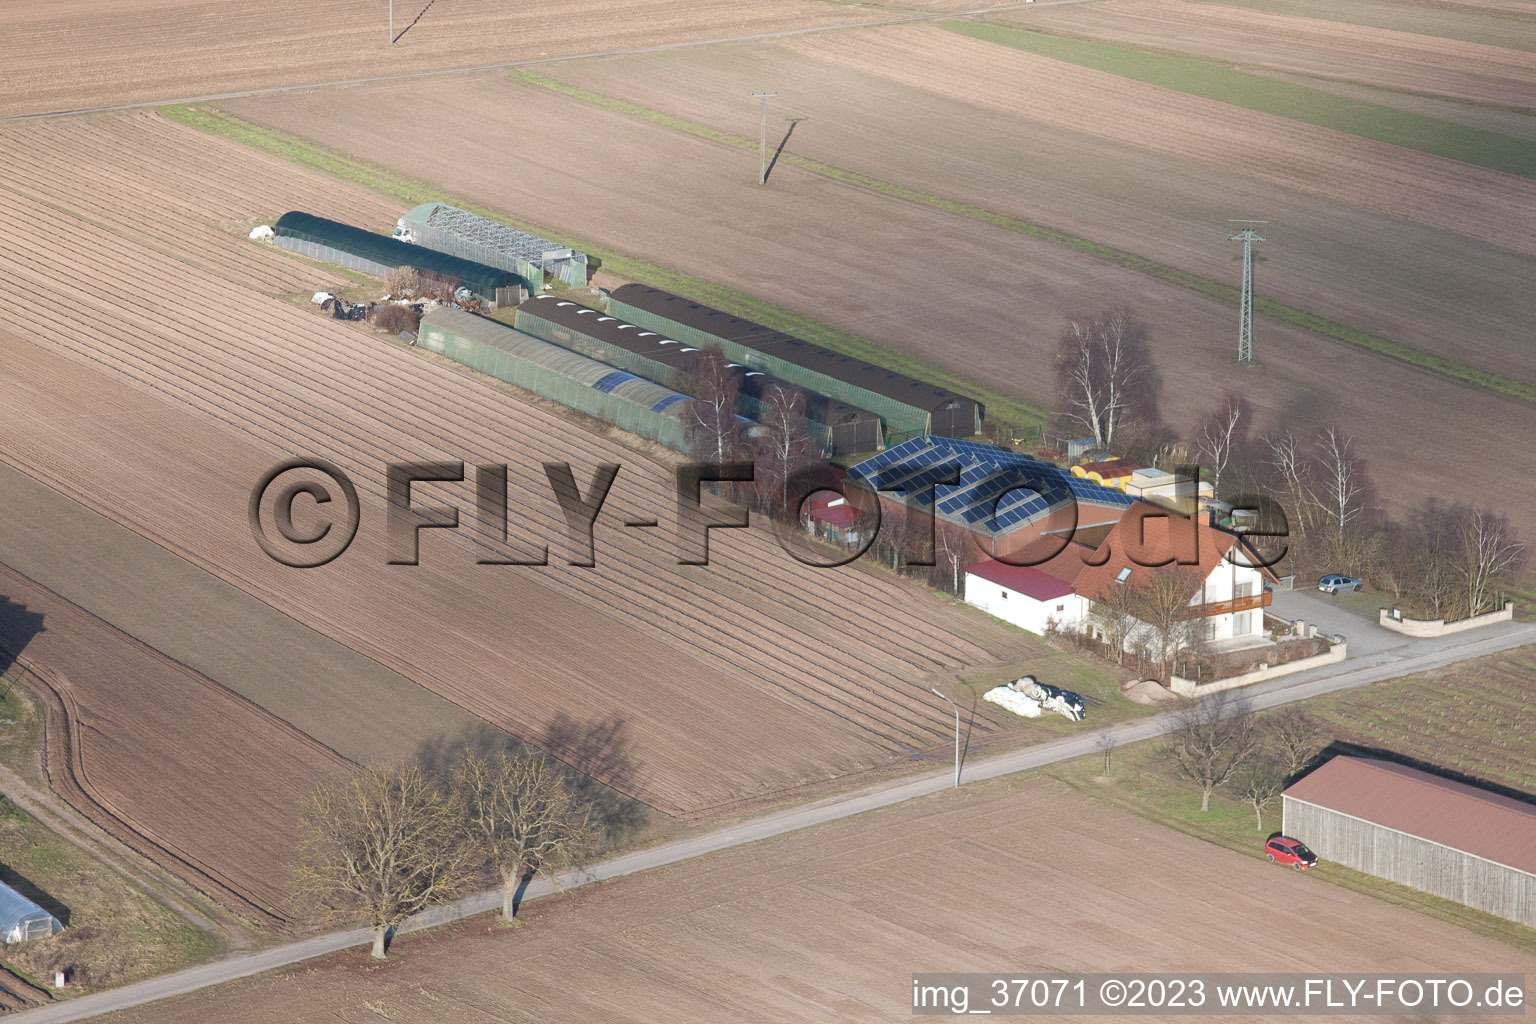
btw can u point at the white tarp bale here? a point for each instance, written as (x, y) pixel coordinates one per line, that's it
(262, 233)
(1014, 701)
(321, 298)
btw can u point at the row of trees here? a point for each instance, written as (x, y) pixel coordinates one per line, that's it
(1221, 742)
(1446, 559)
(393, 840)
(781, 446)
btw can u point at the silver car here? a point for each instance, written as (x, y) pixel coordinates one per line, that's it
(1333, 583)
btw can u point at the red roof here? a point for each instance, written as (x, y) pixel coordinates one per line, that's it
(1147, 535)
(1487, 825)
(843, 515)
(1021, 579)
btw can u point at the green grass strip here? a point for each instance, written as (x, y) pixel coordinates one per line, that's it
(1448, 368)
(1271, 96)
(412, 192)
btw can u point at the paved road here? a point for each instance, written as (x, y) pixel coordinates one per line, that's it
(215, 97)
(1339, 613)
(1352, 673)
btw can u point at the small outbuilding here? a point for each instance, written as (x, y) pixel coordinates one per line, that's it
(22, 920)
(1469, 845)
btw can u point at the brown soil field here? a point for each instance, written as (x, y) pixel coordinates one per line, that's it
(91, 53)
(214, 628)
(1436, 191)
(1325, 256)
(201, 781)
(975, 299)
(1514, 26)
(1374, 56)
(745, 678)
(1025, 877)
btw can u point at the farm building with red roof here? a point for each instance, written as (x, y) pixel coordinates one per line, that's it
(1457, 841)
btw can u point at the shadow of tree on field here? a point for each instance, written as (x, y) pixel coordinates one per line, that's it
(17, 628)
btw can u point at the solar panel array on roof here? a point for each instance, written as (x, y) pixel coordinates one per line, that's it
(997, 490)
(905, 404)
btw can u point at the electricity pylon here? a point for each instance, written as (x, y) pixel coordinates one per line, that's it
(1248, 232)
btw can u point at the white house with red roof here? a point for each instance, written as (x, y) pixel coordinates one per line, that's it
(1025, 596)
(1068, 575)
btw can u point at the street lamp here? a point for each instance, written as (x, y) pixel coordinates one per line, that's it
(952, 704)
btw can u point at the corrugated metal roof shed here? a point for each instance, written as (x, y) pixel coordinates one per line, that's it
(841, 428)
(1462, 817)
(499, 245)
(909, 404)
(21, 919)
(640, 406)
(1022, 579)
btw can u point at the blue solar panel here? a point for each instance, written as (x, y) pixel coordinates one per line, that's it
(612, 380)
(997, 489)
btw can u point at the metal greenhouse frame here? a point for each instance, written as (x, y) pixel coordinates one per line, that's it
(837, 428)
(369, 253)
(614, 396)
(906, 405)
(474, 237)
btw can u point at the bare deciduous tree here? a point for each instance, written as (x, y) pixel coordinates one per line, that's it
(1106, 746)
(714, 433)
(1222, 437)
(1337, 482)
(1261, 781)
(1162, 604)
(522, 816)
(1295, 737)
(384, 842)
(1287, 459)
(1213, 739)
(785, 446)
(1489, 553)
(403, 282)
(1104, 373)
(1113, 615)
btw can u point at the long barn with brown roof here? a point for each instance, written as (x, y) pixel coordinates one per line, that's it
(1469, 845)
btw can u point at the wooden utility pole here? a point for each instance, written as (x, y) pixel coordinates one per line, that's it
(762, 138)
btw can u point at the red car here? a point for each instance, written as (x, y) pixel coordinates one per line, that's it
(1290, 851)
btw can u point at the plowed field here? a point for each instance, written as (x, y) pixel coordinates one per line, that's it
(976, 299)
(90, 53)
(831, 924)
(183, 770)
(747, 677)
(1398, 60)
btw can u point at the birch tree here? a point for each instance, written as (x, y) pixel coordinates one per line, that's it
(383, 842)
(1489, 553)
(1222, 437)
(1338, 485)
(1104, 373)
(785, 445)
(714, 433)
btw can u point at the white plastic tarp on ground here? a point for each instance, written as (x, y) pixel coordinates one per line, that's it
(1014, 701)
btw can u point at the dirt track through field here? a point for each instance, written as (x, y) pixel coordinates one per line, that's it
(160, 756)
(1025, 877)
(1399, 60)
(787, 675)
(1436, 191)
